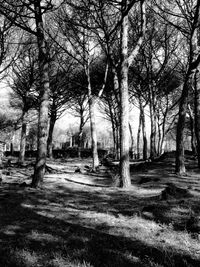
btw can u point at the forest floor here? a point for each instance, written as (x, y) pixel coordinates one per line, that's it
(79, 219)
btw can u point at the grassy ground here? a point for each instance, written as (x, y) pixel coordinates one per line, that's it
(79, 219)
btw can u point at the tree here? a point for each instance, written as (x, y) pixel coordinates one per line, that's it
(110, 106)
(24, 94)
(79, 103)
(60, 98)
(186, 20)
(108, 30)
(22, 14)
(76, 30)
(126, 61)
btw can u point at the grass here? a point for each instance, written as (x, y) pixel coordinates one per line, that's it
(72, 223)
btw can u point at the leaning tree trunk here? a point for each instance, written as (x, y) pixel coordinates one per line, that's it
(52, 122)
(124, 108)
(22, 141)
(44, 99)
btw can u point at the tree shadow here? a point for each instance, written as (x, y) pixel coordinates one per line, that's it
(48, 223)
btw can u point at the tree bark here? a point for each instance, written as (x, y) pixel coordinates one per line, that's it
(95, 162)
(132, 141)
(116, 111)
(144, 137)
(180, 159)
(44, 99)
(80, 134)
(126, 60)
(153, 118)
(197, 113)
(50, 135)
(111, 111)
(192, 130)
(193, 64)
(91, 101)
(163, 130)
(22, 141)
(160, 135)
(125, 180)
(138, 137)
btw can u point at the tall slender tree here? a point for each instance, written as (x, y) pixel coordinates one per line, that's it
(126, 61)
(84, 49)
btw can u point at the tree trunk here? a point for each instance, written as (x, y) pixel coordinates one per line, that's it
(132, 141)
(197, 113)
(192, 130)
(116, 111)
(95, 162)
(125, 180)
(44, 99)
(180, 159)
(193, 138)
(163, 130)
(91, 101)
(22, 141)
(80, 134)
(160, 134)
(118, 142)
(144, 137)
(50, 135)
(192, 65)
(138, 137)
(153, 131)
(113, 128)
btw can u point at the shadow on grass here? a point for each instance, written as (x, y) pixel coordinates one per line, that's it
(28, 237)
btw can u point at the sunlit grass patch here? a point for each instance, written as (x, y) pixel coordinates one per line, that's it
(68, 262)
(14, 257)
(42, 237)
(26, 257)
